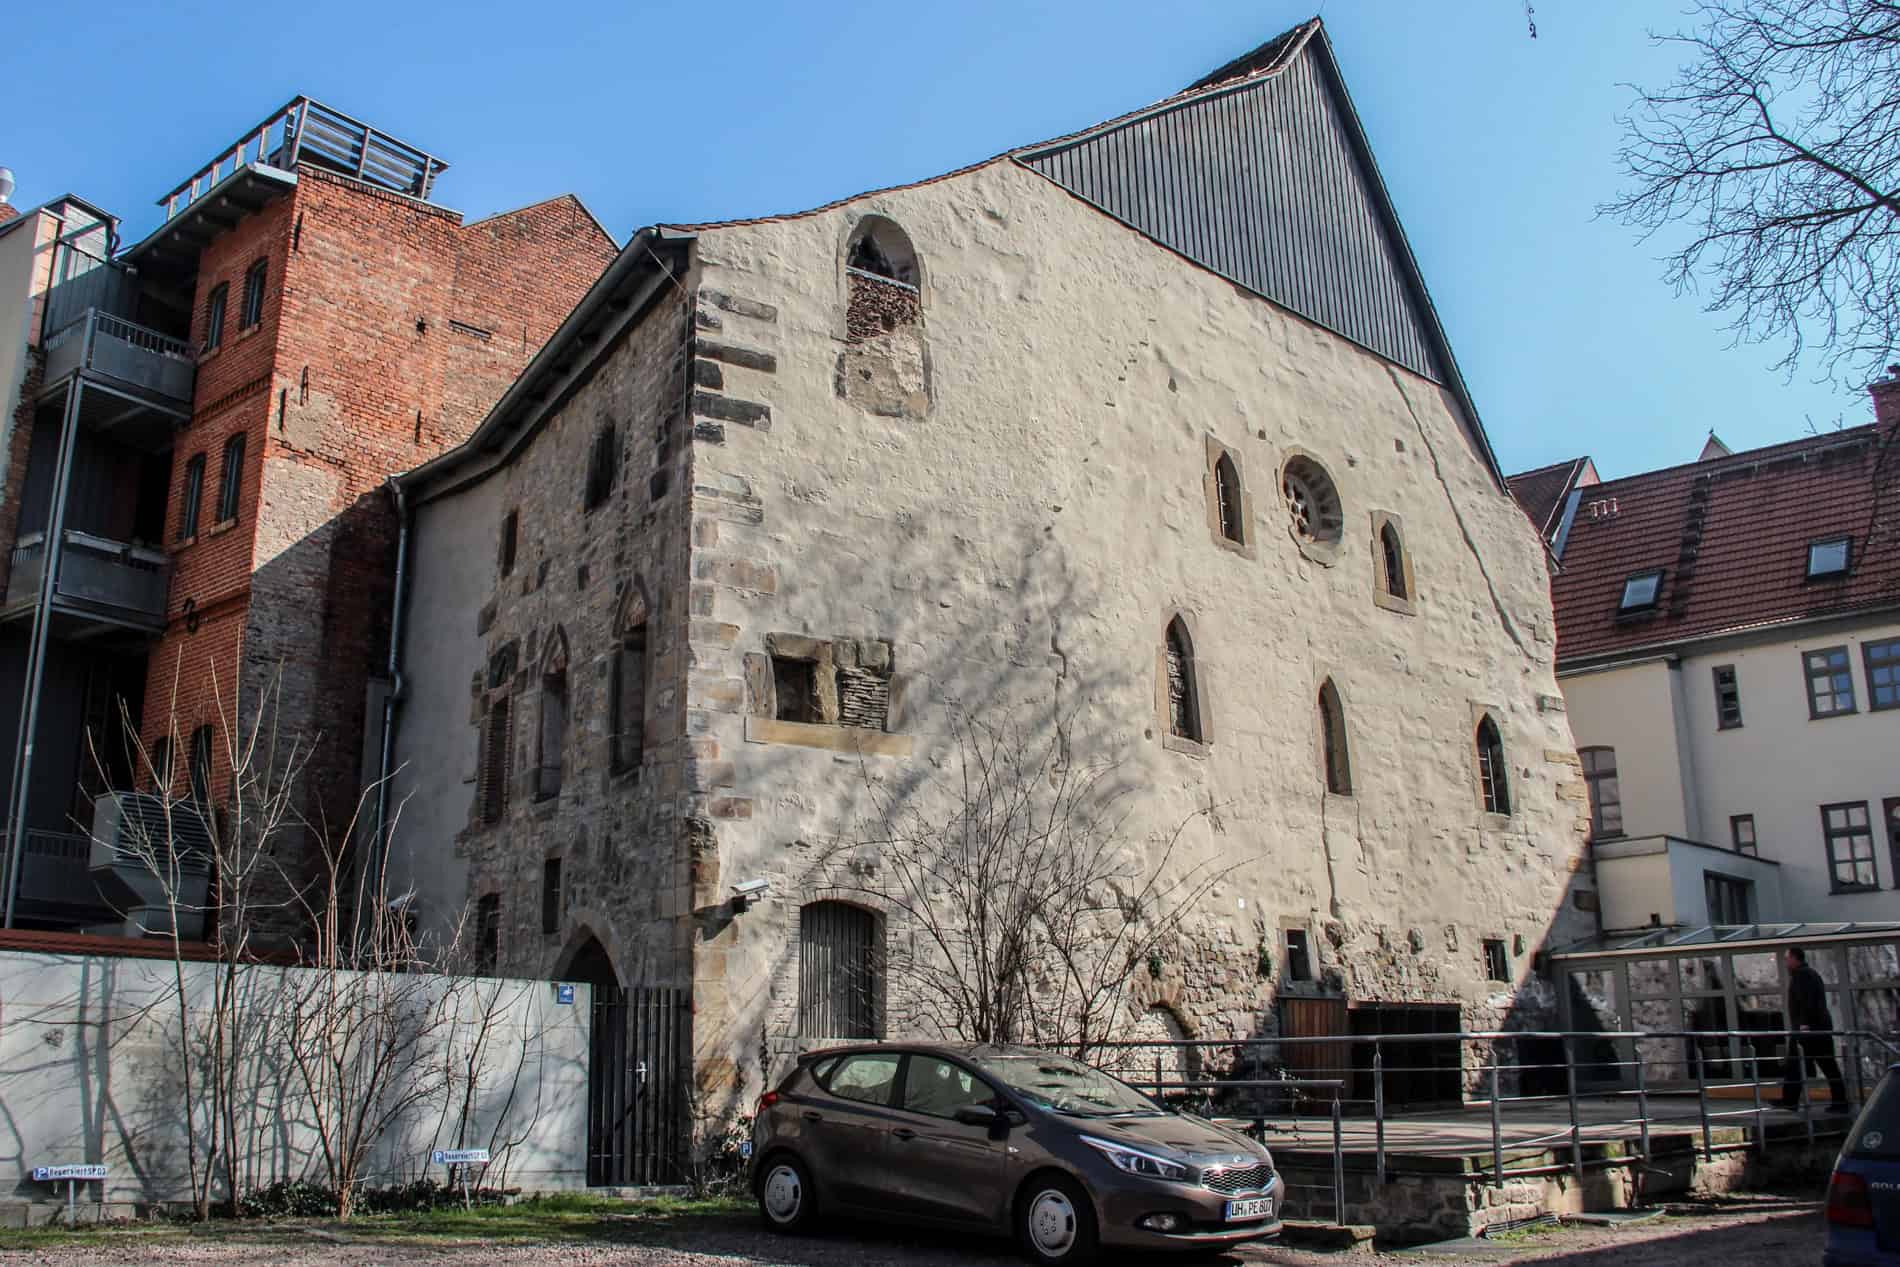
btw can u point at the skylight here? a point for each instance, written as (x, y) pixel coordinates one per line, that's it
(1827, 558)
(1639, 592)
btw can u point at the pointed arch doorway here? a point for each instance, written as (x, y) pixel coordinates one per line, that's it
(636, 1066)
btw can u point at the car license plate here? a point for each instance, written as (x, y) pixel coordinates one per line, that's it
(1250, 1208)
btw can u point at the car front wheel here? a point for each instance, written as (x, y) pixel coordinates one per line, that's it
(1055, 1222)
(786, 1198)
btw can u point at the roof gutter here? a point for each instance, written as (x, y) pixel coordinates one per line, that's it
(1676, 648)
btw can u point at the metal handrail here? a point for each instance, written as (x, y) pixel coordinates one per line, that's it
(1650, 1106)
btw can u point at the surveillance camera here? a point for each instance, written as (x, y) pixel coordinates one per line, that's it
(751, 888)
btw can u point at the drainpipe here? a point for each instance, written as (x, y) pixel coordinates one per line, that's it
(42, 629)
(397, 687)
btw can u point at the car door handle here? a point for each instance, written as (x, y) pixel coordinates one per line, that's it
(905, 1133)
(810, 1116)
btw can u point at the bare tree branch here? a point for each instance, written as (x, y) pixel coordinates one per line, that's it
(1777, 146)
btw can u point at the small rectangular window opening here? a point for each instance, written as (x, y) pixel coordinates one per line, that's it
(231, 479)
(1640, 591)
(1728, 698)
(194, 490)
(603, 466)
(551, 896)
(1827, 558)
(1882, 660)
(1497, 960)
(1830, 682)
(1731, 899)
(510, 527)
(214, 316)
(1299, 962)
(1741, 831)
(1850, 847)
(253, 311)
(795, 684)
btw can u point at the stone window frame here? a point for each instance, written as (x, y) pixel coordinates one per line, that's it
(633, 616)
(554, 686)
(762, 724)
(1333, 738)
(603, 466)
(848, 241)
(1321, 549)
(1210, 485)
(509, 545)
(1480, 712)
(1203, 741)
(553, 894)
(1382, 595)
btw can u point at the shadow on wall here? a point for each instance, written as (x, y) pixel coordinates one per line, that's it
(1070, 686)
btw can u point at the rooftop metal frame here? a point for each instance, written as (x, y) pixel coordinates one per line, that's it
(306, 130)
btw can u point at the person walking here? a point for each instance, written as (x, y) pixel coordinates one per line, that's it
(1807, 1011)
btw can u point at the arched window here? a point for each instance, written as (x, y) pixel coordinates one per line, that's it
(630, 682)
(1184, 710)
(882, 280)
(1227, 499)
(553, 717)
(1332, 738)
(1392, 552)
(1493, 777)
(840, 950)
(1606, 797)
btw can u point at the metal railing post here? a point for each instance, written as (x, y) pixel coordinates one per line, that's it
(1702, 1102)
(1497, 1125)
(1576, 1125)
(1378, 1105)
(1642, 1109)
(1754, 1084)
(1339, 1166)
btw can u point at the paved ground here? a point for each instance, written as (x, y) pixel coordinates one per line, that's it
(1765, 1231)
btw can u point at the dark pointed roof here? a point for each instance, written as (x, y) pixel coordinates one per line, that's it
(1261, 173)
(1542, 493)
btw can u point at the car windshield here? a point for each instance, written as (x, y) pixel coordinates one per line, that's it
(1068, 1086)
(1876, 1133)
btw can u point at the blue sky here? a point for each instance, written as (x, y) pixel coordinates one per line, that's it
(1496, 147)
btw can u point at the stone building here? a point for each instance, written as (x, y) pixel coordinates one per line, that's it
(784, 498)
(195, 464)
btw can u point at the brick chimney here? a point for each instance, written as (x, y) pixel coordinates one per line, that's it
(1886, 393)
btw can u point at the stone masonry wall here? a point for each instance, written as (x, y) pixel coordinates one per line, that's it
(579, 577)
(1024, 533)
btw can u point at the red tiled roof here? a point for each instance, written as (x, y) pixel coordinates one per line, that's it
(1542, 492)
(1731, 536)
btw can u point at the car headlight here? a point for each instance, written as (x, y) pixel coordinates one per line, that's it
(1135, 1162)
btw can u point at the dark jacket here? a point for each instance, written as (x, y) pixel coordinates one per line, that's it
(1807, 1000)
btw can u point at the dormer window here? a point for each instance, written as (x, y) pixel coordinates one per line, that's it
(1640, 591)
(1827, 558)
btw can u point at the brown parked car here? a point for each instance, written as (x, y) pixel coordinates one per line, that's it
(1005, 1139)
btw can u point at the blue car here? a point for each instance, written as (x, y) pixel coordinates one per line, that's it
(1863, 1197)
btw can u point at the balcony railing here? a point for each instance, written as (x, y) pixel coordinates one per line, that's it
(125, 351)
(131, 579)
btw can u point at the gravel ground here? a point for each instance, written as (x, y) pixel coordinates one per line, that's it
(1764, 1231)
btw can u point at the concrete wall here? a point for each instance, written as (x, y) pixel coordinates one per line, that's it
(1779, 765)
(91, 1071)
(1633, 709)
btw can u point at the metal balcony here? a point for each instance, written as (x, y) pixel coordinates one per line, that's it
(129, 355)
(96, 575)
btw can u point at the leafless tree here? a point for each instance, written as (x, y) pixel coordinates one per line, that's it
(215, 870)
(1777, 145)
(1023, 907)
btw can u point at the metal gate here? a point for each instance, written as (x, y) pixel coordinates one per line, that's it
(636, 1087)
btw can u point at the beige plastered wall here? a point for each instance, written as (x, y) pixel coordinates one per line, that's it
(1023, 545)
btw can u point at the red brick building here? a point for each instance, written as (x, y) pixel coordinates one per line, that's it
(235, 389)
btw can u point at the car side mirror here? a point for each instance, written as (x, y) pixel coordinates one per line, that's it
(978, 1115)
